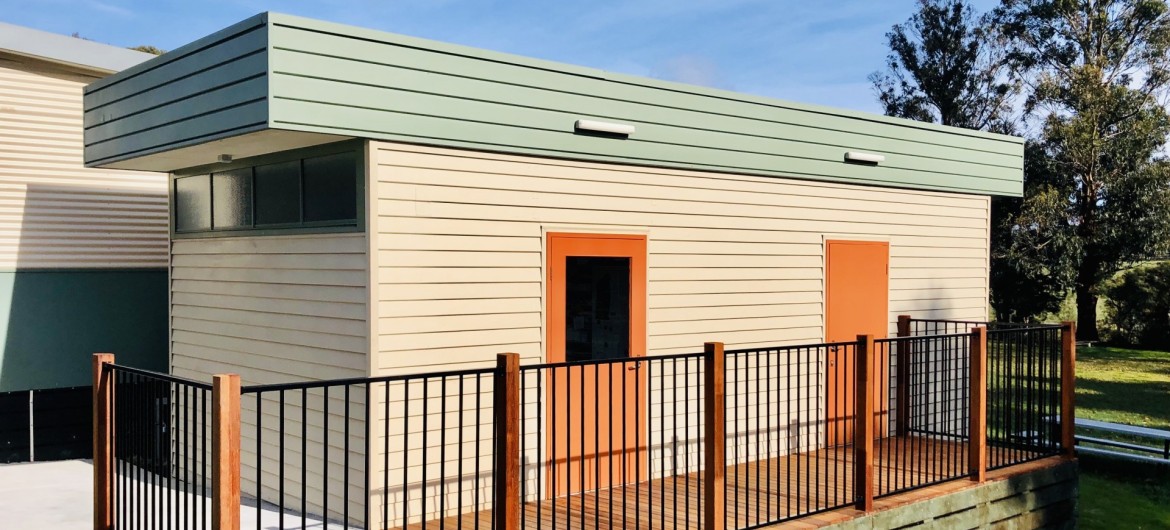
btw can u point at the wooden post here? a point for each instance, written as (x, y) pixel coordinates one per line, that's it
(103, 443)
(902, 387)
(506, 504)
(1068, 387)
(977, 450)
(714, 436)
(225, 452)
(863, 393)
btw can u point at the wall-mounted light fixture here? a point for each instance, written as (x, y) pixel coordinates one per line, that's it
(864, 158)
(604, 127)
(224, 159)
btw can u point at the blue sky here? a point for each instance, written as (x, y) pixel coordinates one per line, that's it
(808, 50)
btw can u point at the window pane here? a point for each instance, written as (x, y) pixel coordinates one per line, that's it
(193, 203)
(597, 308)
(232, 199)
(331, 187)
(278, 193)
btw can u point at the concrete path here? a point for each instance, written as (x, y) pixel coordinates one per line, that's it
(50, 495)
(59, 496)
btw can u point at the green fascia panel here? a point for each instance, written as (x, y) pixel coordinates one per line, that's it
(342, 80)
(52, 322)
(213, 88)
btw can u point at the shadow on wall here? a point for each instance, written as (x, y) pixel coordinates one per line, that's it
(53, 314)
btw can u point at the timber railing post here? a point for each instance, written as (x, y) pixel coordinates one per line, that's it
(1068, 386)
(863, 393)
(977, 451)
(103, 442)
(506, 490)
(714, 435)
(225, 452)
(902, 388)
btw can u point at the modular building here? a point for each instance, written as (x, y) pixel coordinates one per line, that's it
(83, 251)
(349, 203)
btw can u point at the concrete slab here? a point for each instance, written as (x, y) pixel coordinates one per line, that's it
(59, 496)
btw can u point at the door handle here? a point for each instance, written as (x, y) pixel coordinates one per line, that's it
(637, 365)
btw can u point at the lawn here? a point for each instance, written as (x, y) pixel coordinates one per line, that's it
(1133, 387)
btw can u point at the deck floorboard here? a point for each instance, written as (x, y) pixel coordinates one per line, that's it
(758, 493)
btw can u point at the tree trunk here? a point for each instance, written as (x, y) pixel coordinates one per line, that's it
(1086, 312)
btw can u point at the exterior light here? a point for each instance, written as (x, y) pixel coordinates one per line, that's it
(604, 127)
(865, 158)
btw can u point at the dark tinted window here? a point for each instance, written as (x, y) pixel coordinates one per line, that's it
(193, 203)
(597, 308)
(278, 193)
(330, 184)
(231, 195)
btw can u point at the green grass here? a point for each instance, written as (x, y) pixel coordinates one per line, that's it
(1124, 386)
(1113, 502)
(1132, 387)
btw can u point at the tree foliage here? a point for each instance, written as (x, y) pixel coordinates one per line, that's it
(1095, 70)
(944, 67)
(1138, 307)
(145, 48)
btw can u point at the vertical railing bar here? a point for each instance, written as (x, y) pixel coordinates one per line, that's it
(304, 456)
(345, 461)
(597, 443)
(426, 384)
(442, 450)
(459, 453)
(325, 454)
(367, 480)
(280, 468)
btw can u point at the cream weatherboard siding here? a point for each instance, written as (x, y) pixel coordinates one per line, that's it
(54, 212)
(731, 259)
(277, 309)
(736, 259)
(83, 252)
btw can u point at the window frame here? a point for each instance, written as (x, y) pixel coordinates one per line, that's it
(357, 147)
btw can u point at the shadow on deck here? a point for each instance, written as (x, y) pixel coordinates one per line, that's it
(758, 493)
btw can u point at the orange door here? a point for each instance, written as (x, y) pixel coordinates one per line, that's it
(857, 297)
(596, 416)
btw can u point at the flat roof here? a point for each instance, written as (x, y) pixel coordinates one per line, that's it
(66, 50)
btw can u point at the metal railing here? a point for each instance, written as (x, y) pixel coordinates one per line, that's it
(790, 421)
(604, 442)
(1024, 394)
(594, 444)
(920, 327)
(427, 440)
(923, 385)
(161, 450)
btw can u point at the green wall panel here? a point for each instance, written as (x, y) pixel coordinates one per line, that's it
(210, 89)
(282, 72)
(53, 321)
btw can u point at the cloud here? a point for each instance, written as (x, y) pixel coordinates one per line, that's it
(692, 70)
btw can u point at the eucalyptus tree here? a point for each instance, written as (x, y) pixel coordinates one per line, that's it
(1096, 73)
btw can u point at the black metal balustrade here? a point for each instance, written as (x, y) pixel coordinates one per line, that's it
(1024, 394)
(621, 442)
(161, 450)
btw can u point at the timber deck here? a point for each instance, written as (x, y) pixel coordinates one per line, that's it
(758, 493)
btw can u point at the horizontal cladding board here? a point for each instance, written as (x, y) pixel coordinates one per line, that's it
(306, 52)
(55, 213)
(558, 179)
(261, 318)
(206, 90)
(498, 93)
(459, 132)
(460, 283)
(362, 107)
(694, 205)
